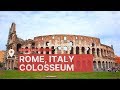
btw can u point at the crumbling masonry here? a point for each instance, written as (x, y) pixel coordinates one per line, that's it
(62, 44)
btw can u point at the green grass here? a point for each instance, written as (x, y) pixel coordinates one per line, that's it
(12, 74)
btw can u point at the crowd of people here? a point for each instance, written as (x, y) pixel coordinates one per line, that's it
(114, 69)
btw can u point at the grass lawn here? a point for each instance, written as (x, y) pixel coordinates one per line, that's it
(12, 74)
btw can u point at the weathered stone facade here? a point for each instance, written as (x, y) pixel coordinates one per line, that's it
(63, 44)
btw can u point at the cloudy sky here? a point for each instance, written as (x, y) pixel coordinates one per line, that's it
(102, 24)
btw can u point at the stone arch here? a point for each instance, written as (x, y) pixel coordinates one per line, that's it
(94, 65)
(88, 50)
(103, 64)
(33, 44)
(70, 43)
(65, 48)
(93, 51)
(36, 50)
(102, 52)
(83, 50)
(26, 49)
(99, 64)
(109, 65)
(98, 52)
(106, 65)
(71, 51)
(47, 50)
(77, 50)
(41, 50)
(93, 44)
(65, 38)
(47, 43)
(18, 47)
(53, 50)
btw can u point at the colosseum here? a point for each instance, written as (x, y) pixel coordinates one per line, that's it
(62, 44)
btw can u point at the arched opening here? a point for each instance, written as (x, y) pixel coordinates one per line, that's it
(47, 43)
(99, 64)
(47, 50)
(93, 44)
(65, 49)
(18, 47)
(26, 49)
(94, 65)
(77, 50)
(88, 50)
(103, 65)
(53, 50)
(98, 52)
(41, 49)
(93, 51)
(106, 65)
(36, 50)
(70, 43)
(83, 50)
(59, 49)
(33, 44)
(71, 51)
(102, 52)
(65, 38)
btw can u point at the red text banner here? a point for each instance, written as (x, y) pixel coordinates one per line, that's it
(55, 62)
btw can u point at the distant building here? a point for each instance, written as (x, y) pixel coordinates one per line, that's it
(2, 53)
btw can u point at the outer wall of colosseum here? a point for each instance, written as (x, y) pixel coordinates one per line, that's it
(71, 44)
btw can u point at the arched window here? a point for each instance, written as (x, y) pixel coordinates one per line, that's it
(47, 43)
(36, 50)
(18, 47)
(93, 44)
(77, 50)
(105, 52)
(88, 50)
(94, 64)
(65, 38)
(26, 49)
(83, 50)
(103, 64)
(47, 50)
(53, 50)
(41, 49)
(98, 52)
(93, 51)
(99, 64)
(71, 51)
(102, 52)
(70, 43)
